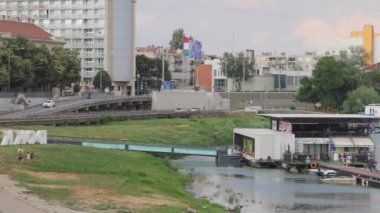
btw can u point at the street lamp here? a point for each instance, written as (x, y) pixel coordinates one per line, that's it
(9, 70)
(138, 83)
(101, 88)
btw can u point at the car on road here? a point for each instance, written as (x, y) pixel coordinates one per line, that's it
(179, 109)
(195, 109)
(48, 104)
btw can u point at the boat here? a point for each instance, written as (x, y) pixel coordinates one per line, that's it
(339, 180)
(322, 172)
(331, 176)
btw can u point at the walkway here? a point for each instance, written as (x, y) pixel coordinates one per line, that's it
(353, 170)
(16, 199)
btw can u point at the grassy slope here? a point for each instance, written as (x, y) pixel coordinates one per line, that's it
(119, 172)
(203, 131)
(127, 173)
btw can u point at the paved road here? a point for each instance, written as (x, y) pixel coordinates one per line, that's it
(9, 204)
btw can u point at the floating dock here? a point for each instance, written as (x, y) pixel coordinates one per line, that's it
(370, 178)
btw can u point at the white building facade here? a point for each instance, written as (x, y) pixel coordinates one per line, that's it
(102, 31)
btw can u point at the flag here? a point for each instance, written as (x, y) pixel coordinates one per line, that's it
(186, 46)
(192, 48)
(196, 49)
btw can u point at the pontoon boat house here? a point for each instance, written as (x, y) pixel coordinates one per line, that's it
(319, 136)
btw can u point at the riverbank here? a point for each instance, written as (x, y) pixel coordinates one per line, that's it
(196, 132)
(91, 180)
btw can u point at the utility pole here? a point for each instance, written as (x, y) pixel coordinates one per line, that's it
(163, 69)
(243, 84)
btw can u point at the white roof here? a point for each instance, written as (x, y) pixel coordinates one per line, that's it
(342, 142)
(254, 132)
(352, 141)
(321, 115)
(363, 141)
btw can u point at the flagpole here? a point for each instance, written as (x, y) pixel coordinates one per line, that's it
(163, 69)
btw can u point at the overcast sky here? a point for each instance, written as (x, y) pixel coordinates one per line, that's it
(293, 26)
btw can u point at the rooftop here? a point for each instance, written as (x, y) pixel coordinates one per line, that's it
(25, 29)
(320, 116)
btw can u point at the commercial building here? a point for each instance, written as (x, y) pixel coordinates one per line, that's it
(102, 31)
(308, 136)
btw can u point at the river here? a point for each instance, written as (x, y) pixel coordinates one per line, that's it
(274, 190)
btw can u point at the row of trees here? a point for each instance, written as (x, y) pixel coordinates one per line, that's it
(340, 84)
(150, 70)
(26, 66)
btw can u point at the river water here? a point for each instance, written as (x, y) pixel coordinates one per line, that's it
(274, 190)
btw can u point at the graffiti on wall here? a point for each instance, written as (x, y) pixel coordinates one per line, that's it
(17, 137)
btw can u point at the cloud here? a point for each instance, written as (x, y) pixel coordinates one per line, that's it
(247, 4)
(313, 31)
(143, 21)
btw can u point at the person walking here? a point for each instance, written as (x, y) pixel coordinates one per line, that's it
(20, 154)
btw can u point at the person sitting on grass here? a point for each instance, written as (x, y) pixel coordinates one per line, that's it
(31, 156)
(28, 157)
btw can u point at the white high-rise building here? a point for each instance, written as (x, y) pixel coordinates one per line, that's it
(102, 31)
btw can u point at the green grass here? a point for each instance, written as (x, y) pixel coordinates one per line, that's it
(124, 173)
(203, 131)
(121, 172)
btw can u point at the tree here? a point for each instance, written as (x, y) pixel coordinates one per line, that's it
(4, 74)
(307, 93)
(22, 75)
(233, 67)
(67, 66)
(356, 56)
(372, 79)
(105, 79)
(177, 39)
(357, 99)
(150, 70)
(43, 67)
(330, 84)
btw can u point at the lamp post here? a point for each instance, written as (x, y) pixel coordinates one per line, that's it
(9, 70)
(101, 86)
(138, 83)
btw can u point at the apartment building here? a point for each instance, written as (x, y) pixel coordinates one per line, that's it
(102, 31)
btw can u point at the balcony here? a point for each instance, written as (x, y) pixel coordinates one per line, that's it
(88, 74)
(87, 55)
(88, 64)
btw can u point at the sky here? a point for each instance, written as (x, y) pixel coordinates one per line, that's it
(291, 26)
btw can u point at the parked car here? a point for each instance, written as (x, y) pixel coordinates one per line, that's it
(180, 110)
(48, 104)
(195, 109)
(254, 109)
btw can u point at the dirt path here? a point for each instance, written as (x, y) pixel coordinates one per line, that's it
(15, 199)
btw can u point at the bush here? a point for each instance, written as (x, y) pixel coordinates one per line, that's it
(104, 118)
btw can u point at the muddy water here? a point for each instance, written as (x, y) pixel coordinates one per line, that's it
(274, 190)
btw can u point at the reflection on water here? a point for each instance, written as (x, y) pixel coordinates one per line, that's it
(274, 190)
